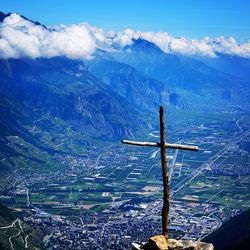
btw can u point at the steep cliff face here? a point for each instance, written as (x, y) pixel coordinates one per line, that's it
(65, 89)
(126, 81)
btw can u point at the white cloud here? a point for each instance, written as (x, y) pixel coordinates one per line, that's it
(22, 38)
(229, 46)
(191, 47)
(169, 44)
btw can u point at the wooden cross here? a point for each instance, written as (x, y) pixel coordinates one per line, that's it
(163, 145)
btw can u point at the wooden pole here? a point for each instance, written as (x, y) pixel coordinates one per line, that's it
(165, 208)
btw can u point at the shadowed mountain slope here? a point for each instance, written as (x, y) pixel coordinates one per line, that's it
(233, 235)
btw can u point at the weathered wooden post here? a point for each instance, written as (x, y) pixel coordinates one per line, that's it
(165, 208)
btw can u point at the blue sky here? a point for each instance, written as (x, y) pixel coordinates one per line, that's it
(189, 18)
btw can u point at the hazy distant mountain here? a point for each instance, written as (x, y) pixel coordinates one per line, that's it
(230, 64)
(184, 73)
(141, 91)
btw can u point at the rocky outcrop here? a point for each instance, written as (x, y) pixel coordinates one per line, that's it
(159, 242)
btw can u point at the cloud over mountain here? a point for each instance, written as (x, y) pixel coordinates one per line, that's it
(20, 37)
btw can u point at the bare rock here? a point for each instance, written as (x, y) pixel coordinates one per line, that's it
(190, 245)
(196, 245)
(159, 242)
(174, 244)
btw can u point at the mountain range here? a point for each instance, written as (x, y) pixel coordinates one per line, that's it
(112, 95)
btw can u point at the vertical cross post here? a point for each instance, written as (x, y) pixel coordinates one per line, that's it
(165, 208)
(163, 145)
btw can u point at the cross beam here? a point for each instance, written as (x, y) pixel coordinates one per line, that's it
(158, 144)
(163, 145)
